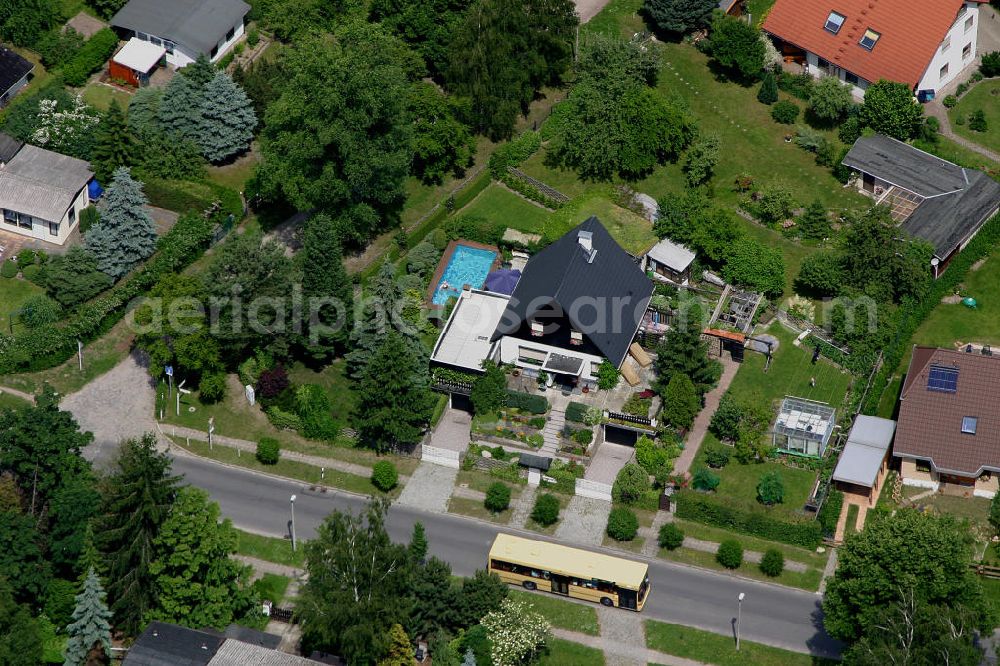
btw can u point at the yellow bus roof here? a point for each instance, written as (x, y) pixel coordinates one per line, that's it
(568, 561)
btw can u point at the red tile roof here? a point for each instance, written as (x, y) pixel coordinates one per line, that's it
(911, 32)
(930, 422)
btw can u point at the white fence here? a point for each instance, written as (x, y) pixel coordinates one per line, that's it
(439, 456)
(593, 489)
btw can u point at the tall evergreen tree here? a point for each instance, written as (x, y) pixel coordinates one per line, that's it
(393, 409)
(198, 583)
(178, 109)
(325, 279)
(418, 543)
(90, 628)
(200, 72)
(125, 234)
(114, 145)
(814, 223)
(73, 506)
(400, 652)
(683, 351)
(225, 120)
(768, 93)
(378, 306)
(680, 16)
(137, 501)
(143, 111)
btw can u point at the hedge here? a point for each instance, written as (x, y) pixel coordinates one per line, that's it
(185, 195)
(576, 412)
(48, 346)
(513, 153)
(710, 510)
(527, 402)
(914, 313)
(91, 57)
(829, 513)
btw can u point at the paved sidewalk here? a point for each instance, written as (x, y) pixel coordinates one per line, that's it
(583, 521)
(652, 544)
(700, 428)
(263, 567)
(429, 488)
(629, 651)
(523, 506)
(828, 571)
(618, 628)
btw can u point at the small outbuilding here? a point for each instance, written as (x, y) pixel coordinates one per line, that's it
(804, 426)
(864, 461)
(14, 73)
(135, 62)
(669, 261)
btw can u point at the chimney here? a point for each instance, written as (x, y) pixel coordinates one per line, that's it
(586, 241)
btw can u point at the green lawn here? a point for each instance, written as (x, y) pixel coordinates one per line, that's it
(790, 373)
(950, 324)
(285, 467)
(333, 378)
(705, 646)
(100, 96)
(236, 174)
(947, 149)
(497, 203)
(269, 549)
(851, 525)
(8, 401)
(807, 580)
(474, 508)
(984, 96)
(273, 587)
(561, 652)
(571, 615)
(758, 9)
(14, 292)
(793, 553)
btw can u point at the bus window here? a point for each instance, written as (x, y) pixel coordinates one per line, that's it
(643, 589)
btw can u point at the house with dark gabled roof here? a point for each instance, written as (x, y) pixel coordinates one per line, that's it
(579, 301)
(925, 44)
(185, 29)
(14, 73)
(948, 430)
(929, 198)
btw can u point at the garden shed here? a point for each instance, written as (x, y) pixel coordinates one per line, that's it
(135, 61)
(864, 461)
(803, 426)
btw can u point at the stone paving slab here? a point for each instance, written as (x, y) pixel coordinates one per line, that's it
(523, 506)
(584, 521)
(429, 488)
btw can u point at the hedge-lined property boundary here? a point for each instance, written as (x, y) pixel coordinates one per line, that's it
(91, 57)
(527, 402)
(705, 509)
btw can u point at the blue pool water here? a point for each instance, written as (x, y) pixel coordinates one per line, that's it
(468, 265)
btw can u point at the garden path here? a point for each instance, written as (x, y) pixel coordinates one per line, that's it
(652, 543)
(523, 506)
(701, 422)
(17, 394)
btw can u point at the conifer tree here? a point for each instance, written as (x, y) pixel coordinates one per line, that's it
(400, 653)
(768, 93)
(683, 351)
(200, 72)
(378, 303)
(178, 109)
(324, 277)
(418, 542)
(114, 145)
(393, 408)
(90, 629)
(814, 223)
(137, 502)
(143, 111)
(125, 234)
(470, 658)
(225, 119)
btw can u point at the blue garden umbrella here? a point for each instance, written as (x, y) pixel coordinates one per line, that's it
(503, 281)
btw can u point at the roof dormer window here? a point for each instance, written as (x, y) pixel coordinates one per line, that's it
(834, 22)
(869, 39)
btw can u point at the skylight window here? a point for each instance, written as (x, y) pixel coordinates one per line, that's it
(869, 39)
(969, 424)
(943, 379)
(834, 22)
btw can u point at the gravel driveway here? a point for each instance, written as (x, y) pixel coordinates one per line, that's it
(588, 9)
(117, 405)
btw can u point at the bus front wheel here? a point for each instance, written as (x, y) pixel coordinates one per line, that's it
(606, 601)
(529, 585)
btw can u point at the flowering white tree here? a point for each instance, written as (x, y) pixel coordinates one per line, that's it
(517, 633)
(60, 129)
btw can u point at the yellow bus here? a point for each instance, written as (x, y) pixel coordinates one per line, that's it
(571, 572)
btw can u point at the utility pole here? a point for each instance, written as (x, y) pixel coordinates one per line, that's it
(211, 429)
(739, 616)
(292, 502)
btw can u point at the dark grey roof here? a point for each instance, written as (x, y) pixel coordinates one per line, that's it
(172, 645)
(948, 221)
(13, 68)
(905, 166)
(538, 462)
(196, 24)
(565, 364)
(253, 637)
(604, 296)
(8, 147)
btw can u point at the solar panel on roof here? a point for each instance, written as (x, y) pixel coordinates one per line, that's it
(943, 379)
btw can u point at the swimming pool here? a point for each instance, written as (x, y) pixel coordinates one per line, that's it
(467, 265)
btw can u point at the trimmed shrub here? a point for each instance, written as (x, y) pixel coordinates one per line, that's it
(384, 475)
(710, 510)
(185, 195)
(717, 457)
(630, 484)
(785, 112)
(212, 387)
(26, 257)
(770, 489)
(283, 420)
(513, 153)
(253, 36)
(268, 451)
(990, 64)
(497, 497)
(576, 412)
(977, 121)
(90, 58)
(730, 554)
(89, 216)
(773, 563)
(584, 437)
(527, 402)
(704, 479)
(623, 524)
(607, 376)
(32, 273)
(829, 513)
(9, 269)
(671, 537)
(949, 101)
(546, 509)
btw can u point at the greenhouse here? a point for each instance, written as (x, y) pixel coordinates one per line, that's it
(803, 426)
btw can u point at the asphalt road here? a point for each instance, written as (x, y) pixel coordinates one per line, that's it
(685, 595)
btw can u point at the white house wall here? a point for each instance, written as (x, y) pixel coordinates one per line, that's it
(182, 56)
(509, 352)
(40, 229)
(225, 44)
(949, 51)
(812, 60)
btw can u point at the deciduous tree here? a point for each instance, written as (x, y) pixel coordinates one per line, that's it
(700, 160)
(20, 641)
(518, 633)
(830, 100)
(125, 234)
(442, 145)
(756, 266)
(489, 390)
(889, 108)
(428, 26)
(736, 46)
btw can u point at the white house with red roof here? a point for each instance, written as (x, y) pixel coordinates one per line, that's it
(923, 43)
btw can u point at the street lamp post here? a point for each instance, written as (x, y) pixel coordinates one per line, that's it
(292, 502)
(739, 616)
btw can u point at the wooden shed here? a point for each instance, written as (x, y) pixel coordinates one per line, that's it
(135, 61)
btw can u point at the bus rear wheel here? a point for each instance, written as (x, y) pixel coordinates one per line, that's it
(606, 601)
(529, 585)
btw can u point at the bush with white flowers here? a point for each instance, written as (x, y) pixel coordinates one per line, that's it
(517, 633)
